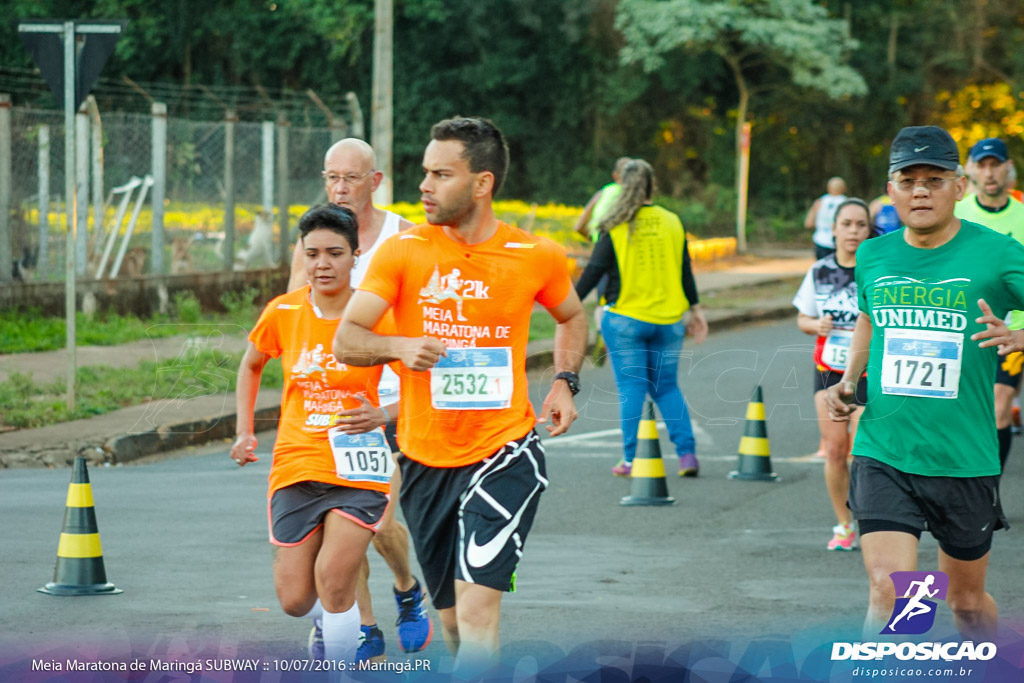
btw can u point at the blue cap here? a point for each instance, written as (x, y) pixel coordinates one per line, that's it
(989, 147)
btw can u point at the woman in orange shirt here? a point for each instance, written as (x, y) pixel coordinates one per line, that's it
(328, 485)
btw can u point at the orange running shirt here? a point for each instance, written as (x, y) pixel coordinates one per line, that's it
(316, 387)
(478, 295)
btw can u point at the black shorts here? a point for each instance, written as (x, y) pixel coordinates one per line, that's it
(470, 523)
(1009, 369)
(296, 511)
(823, 379)
(821, 252)
(960, 512)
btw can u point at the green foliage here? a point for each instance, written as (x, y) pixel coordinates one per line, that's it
(28, 331)
(797, 35)
(187, 307)
(576, 83)
(198, 371)
(240, 307)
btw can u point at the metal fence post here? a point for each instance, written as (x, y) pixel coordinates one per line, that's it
(70, 283)
(356, 114)
(267, 168)
(5, 188)
(159, 147)
(282, 187)
(81, 172)
(43, 167)
(228, 245)
(97, 171)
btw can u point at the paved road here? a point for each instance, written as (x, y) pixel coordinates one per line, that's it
(729, 564)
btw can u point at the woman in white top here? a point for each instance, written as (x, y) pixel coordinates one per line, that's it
(827, 302)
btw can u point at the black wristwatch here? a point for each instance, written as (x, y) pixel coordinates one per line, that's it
(572, 379)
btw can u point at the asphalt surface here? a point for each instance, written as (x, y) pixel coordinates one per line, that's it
(730, 568)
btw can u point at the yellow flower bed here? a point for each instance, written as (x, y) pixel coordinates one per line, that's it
(554, 221)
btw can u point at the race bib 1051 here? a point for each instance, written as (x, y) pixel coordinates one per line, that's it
(361, 457)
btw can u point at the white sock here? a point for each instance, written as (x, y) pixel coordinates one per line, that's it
(341, 635)
(315, 612)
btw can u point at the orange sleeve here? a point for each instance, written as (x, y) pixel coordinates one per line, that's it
(558, 282)
(383, 277)
(265, 335)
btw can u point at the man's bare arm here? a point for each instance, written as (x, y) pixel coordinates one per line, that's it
(355, 342)
(298, 277)
(588, 211)
(570, 346)
(570, 333)
(860, 346)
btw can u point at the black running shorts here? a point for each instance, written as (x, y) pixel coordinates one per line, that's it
(960, 512)
(296, 511)
(1009, 369)
(823, 379)
(470, 523)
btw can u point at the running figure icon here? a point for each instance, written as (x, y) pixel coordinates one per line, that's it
(915, 606)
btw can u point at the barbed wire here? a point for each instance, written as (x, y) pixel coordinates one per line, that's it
(28, 88)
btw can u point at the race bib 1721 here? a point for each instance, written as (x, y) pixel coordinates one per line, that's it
(922, 363)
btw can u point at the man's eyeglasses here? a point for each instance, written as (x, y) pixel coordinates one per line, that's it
(931, 184)
(348, 178)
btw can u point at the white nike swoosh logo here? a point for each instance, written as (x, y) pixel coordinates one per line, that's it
(921, 149)
(985, 528)
(482, 555)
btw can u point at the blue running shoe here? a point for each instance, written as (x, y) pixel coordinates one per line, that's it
(316, 641)
(371, 645)
(415, 629)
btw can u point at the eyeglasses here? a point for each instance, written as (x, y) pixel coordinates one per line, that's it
(348, 179)
(931, 184)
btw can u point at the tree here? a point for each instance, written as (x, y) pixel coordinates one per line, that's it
(751, 37)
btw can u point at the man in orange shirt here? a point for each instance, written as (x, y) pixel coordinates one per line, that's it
(462, 289)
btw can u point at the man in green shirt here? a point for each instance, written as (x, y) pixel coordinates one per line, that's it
(599, 204)
(993, 207)
(926, 292)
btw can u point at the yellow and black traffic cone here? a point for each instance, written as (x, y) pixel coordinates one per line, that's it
(649, 486)
(79, 569)
(755, 453)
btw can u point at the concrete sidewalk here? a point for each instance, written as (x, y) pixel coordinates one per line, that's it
(131, 433)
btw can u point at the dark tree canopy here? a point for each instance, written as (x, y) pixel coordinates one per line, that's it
(574, 87)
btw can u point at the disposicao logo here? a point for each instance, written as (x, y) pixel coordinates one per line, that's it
(914, 613)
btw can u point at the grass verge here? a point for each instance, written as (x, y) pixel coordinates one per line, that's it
(199, 372)
(27, 331)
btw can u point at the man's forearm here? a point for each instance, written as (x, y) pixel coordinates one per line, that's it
(355, 345)
(571, 343)
(860, 350)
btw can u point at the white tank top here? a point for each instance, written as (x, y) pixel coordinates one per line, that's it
(388, 387)
(389, 228)
(823, 236)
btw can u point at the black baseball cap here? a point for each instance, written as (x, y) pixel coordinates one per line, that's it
(923, 145)
(989, 147)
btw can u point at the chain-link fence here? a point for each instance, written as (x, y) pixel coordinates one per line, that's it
(202, 194)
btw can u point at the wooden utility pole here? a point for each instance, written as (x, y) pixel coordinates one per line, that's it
(383, 47)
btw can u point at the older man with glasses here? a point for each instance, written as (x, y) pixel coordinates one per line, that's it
(350, 178)
(926, 456)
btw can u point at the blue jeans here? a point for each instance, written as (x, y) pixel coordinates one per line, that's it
(645, 360)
